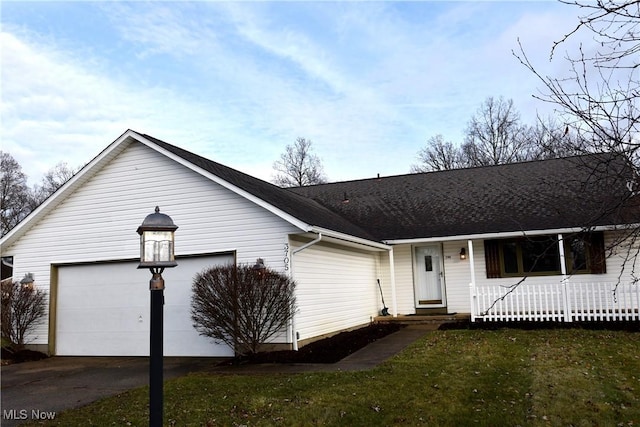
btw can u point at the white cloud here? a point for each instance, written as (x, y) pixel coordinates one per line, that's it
(367, 82)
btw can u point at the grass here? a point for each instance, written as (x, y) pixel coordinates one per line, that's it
(504, 377)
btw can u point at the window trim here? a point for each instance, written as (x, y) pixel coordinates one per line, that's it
(520, 259)
(594, 255)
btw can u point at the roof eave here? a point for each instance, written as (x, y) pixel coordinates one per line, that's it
(509, 234)
(349, 238)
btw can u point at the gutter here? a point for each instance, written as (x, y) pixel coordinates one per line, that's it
(349, 238)
(507, 234)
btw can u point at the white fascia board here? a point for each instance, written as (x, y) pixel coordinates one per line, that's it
(509, 234)
(68, 187)
(348, 238)
(274, 210)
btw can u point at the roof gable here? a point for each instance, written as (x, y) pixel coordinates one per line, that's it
(300, 210)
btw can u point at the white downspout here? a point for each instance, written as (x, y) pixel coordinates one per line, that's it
(294, 333)
(472, 284)
(563, 271)
(392, 273)
(306, 245)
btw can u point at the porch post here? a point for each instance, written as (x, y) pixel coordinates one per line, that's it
(392, 274)
(472, 284)
(563, 285)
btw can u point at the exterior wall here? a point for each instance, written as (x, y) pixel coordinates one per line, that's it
(457, 274)
(403, 265)
(614, 267)
(99, 220)
(336, 288)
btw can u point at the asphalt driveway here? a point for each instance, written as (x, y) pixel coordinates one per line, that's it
(39, 389)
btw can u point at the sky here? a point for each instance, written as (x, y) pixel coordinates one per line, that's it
(367, 82)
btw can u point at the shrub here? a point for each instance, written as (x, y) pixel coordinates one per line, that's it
(241, 306)
(23, 306)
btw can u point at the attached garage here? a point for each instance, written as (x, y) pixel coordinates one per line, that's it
(102, 309)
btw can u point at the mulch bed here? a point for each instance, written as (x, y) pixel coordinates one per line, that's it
(10, 357)
(328, 350)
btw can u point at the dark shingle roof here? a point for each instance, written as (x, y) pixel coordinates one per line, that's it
(579, 191)
(302, 208)
(571, 192)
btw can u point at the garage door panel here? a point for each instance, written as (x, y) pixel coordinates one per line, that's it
(107, 343)
(120, 320)
(103, 310)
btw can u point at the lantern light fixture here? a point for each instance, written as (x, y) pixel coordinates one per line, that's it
(463, 253)
(259, 265)
(27, 281)
(157, 241)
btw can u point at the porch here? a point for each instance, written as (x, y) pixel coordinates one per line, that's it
(556, 302)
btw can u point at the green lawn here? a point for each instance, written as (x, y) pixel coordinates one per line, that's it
(506, 377)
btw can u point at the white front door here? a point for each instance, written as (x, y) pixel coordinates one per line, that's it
(429, 281)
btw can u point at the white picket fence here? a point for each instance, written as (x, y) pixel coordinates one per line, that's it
(559, 302)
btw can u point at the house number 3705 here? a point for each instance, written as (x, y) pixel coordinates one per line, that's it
(286, 257)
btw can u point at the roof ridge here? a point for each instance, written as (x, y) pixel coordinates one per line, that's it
(456, 170)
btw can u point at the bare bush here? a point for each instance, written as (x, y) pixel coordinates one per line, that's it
(241, 306)
(23, 306)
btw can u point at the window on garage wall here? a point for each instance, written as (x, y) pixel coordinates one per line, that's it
(7, 267)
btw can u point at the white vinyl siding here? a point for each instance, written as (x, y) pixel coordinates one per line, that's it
(336, 288)
(99, 220)
(457, 276)
(405, 291)
(614, 267)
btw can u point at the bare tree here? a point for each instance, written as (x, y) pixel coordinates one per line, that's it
(496, 136)
(242, 306)
(298, 167)
(599, 98)
(551, 139)
(15, 196)
(55, 178)
(23, 306)
(438, 155)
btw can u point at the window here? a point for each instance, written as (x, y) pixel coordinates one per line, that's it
(539, 256)
(6, 263)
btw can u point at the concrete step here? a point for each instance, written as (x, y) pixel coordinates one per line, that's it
(415, 319)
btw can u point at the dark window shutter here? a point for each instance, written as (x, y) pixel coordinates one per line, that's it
(492, 258)
(597, 255)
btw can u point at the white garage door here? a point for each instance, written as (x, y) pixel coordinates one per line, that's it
(103, 310)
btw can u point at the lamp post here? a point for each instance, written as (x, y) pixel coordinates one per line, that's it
(156, 254)
(27, 281)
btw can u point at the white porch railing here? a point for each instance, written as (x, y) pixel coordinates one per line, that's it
(559, 302)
